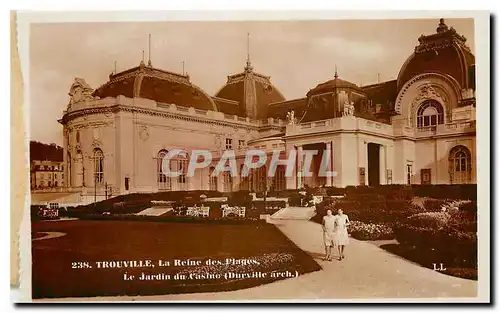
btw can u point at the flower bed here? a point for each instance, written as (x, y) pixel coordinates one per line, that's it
(370, 231)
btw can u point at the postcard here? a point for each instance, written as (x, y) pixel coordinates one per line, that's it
(249, 156)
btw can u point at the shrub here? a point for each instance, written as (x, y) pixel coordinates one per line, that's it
(429, 219)
(434, 205)
(370, 231)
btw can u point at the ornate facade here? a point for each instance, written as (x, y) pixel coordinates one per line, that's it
(417, 129)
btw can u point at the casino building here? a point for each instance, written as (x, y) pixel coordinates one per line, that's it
(417, 129)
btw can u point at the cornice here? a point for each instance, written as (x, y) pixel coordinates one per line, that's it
(179, 116)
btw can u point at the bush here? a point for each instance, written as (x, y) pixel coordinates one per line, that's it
(429, 219)
(434, 205)
(370, 231)
(449, 246)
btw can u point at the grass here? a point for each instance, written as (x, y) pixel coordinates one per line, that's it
(428, 261)
(92, 241)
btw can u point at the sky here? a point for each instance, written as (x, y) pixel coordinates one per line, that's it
(298, 55)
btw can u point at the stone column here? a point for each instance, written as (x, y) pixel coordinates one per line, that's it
(300, 161)
(329, 179)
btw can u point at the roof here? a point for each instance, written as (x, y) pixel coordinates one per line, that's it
(384, 93)
(443, 52)
(158, 85)
(280, 109)
(330, 85)
(253, 91)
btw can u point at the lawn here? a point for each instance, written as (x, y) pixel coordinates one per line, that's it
(92, 241)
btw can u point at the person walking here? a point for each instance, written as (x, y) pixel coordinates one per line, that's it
(341, 237)
(328, 233)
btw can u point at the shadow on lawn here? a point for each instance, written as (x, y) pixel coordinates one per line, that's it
(427, 260)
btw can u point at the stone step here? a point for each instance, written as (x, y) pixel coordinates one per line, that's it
(294, 213)
(155, 211)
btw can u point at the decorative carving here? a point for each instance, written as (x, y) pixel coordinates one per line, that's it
(80, 91)
(290, 116)
(427, 92)
(348, 109)
(144, 133)
(96, 143)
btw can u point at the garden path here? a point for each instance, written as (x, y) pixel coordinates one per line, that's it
(367, 272)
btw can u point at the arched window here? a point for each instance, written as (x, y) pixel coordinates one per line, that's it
(164, 181)
(98, 166)
(212, 179)
(460, 163)
(430, 113)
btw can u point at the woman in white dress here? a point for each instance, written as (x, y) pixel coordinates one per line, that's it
(328, 233)
(341, 237)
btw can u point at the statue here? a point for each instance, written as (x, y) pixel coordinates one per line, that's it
(80, 91)
(290, 116)
(348, 109)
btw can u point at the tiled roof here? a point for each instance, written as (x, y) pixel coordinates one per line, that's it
(158, 85)
(253, 91)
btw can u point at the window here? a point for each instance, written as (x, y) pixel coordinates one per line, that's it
(164, 182)
(430, 113)
(98, 166)
(409, 173)
(182, 165)
(212, 180)
(460, 165)
(243, 179)
(228, 182)
(127, 183)
(279, 178)
(229, 143)
(259, 179)
(241, 143)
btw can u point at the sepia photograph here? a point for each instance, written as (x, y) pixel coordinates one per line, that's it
(328, 158)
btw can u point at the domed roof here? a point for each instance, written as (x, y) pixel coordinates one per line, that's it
(332, 84)
(252, 91)
(158, 85)
(443, 52)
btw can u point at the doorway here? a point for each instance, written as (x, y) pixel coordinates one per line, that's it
(373, 164)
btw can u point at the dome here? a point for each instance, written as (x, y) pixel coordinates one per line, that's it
(333, 84)
(158, 85)
(444, 52)
(252, 91)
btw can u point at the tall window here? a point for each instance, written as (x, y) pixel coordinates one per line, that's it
(409, 173)
(279, 178)
(69, 170)
(98, 166)
(182, 166)
(259, 179)
(460, 165)
(243, 179)
(212, 179)
(430, 113)
(241, 144)
(228, 182)
(229, 143)
(164, 182)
